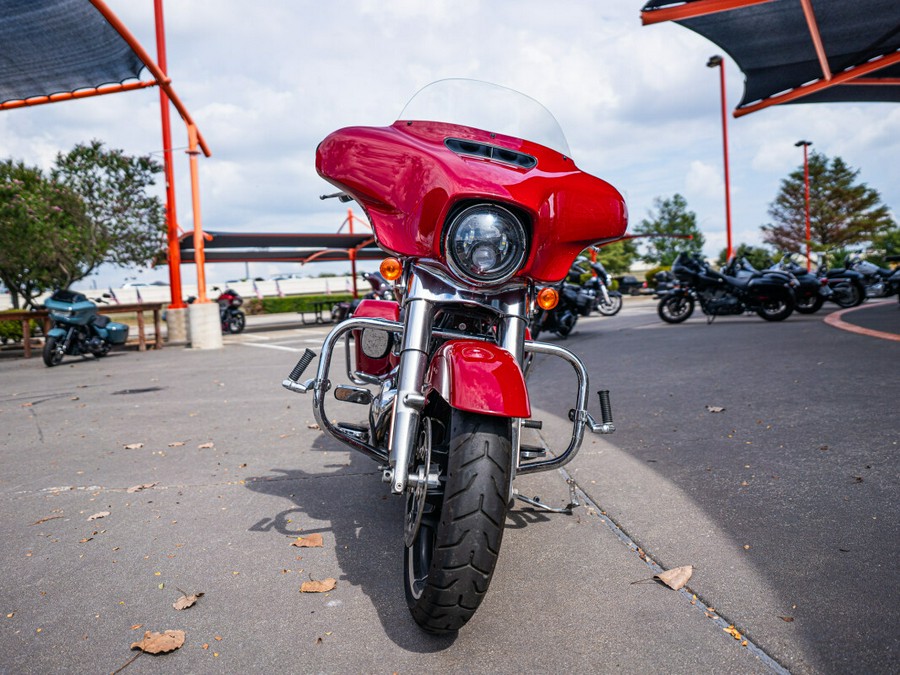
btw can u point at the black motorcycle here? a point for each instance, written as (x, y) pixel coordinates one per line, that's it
(769, 294)
(574, 300)
(879, 282)
(605, 301)
(812, 290)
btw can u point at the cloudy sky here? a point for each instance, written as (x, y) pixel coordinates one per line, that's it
(266, 81)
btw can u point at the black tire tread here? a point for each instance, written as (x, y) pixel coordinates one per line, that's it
(471, 524)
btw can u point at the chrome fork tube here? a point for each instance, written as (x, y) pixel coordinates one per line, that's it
(410, 398)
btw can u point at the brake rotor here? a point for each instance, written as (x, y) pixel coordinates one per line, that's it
(415, 498)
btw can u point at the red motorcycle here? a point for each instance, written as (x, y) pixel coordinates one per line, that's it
(230, 314)
(474, 195)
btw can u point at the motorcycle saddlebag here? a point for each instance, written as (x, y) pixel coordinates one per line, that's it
(118, 332)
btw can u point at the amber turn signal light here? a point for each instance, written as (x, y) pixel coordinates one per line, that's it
(547, 298)
(391, 269)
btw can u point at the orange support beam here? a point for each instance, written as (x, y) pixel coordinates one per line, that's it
(816, 38)
(690, 10)
(81, 93)
(847, 77)
(160, 76)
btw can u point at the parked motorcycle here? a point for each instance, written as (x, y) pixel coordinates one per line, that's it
(880, 282)
(574, 300)
(605, 301)
(381, 290)
(477, 214)
(769, 294)
(78, 329)
(230, 314)
(812, 290)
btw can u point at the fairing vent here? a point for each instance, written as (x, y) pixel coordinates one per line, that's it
(492, 152)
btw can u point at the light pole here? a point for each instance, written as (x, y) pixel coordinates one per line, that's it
(806, 145)
(712, 63)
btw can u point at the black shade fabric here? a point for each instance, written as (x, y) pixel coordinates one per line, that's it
(771, 44)
(54, 46)
(272, 247)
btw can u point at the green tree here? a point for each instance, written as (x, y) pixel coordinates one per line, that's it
(842, 211)
(884, 245)
(618, 257)
(759, 257)
(670, 216)
(46, 240)
(114, 187)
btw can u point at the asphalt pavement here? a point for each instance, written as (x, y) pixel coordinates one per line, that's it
(760, 453)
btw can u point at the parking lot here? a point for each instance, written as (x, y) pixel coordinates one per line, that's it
(762, 454)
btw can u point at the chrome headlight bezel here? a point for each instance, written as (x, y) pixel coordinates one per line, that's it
(509, 245)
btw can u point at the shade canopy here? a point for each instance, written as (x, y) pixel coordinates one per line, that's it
(799, 51)
(56, 46)
(277, 247)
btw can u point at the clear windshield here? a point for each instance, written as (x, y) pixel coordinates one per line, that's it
(488, 107)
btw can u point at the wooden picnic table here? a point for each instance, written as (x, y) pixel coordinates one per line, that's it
(42, 315)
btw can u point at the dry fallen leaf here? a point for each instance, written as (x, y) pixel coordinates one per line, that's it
(136, 626)
(176, 444)
(733, 632)
(97, 516)
(46, 518)
(206, 446)
(134, 446)
(186, 600)
(312, 426)
(160, 643)
(312, 541)
(138, 488)
(318, 586)
(676, 577)
(715, 408)
(786, 619)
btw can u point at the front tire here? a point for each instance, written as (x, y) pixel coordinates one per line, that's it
(449, 564)
(849, 294)
(236, 322)
(675, 308)
(612, 307)
(53, 354)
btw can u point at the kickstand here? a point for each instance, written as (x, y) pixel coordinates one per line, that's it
(537, 503)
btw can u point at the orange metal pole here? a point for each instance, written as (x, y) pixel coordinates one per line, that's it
(161, 78)
(171, 220)
(352, 255)
(199, 254)
(725, 154)
(82, 93)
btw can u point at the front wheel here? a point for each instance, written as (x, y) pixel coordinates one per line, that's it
(450, 559)
(675, 308)
(612, 307)
(849, 294)
(53, 352)
(236, 322)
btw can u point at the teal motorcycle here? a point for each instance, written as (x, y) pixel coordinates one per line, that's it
(78, 329)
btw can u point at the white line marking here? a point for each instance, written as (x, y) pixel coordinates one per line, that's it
(287, 349)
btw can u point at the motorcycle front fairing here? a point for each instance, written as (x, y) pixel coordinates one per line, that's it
(410, 176)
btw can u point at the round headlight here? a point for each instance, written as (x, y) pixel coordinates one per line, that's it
(485, 242)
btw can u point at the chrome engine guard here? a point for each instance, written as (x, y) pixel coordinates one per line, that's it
(320, 385)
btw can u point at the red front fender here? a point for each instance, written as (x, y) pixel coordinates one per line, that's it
(479, 377)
